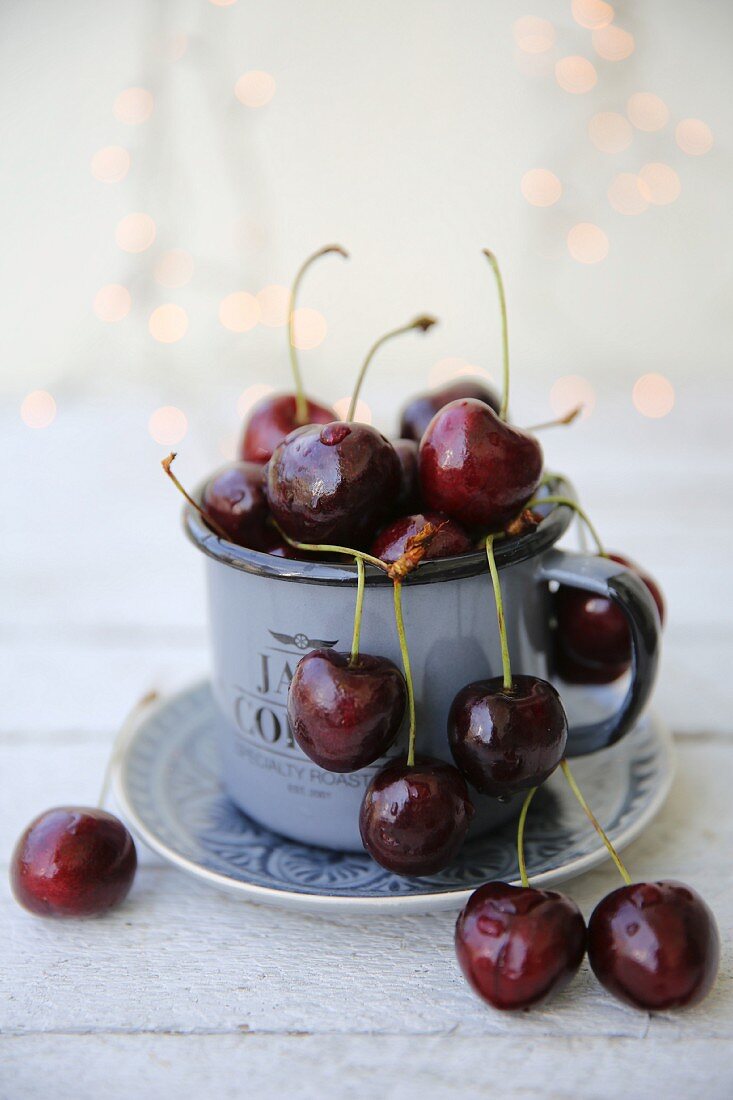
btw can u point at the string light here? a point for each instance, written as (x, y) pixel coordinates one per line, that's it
(569, 392)
(587, 243)
(694, 136)
(576, 75)
(647, 111)
(613, 43)
(133, 106)
(541, 187)
(363, 412)
(255, 89)
(627, 195)
(174, 268)
(168, 425)
(112, 303)
(662, 184)
(135, 232)
(534, 35)
(111, 164)
(653, 396)
(38, 409)
(309, 328)
(610, 132)
(168, 323)
(592, 14)
(248, 398)
(274, 303)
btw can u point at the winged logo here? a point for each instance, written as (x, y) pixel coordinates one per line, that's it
(302, 641)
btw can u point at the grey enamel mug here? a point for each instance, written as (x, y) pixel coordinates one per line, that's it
(266, 612)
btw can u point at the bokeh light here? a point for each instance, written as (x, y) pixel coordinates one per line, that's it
(255, 89)
(135, 232)
(274, 303)
(587, 243)
(309, 328)
(174, 268)
(541, 187)
(222, 3)
(168, 425)
(613, 43)
(534, 35)
(627, 195)
(239, 312)
(174, 47)
(694, 136)
(647, 111)
(168, 323)
(610, 132)
(363, 413)
(576, 75)
(112, 303)
(248, 398)
(38, 409)
(661, 183)
(452, 367)
(653, 396)
(133, 106)
(111, 164)
(569, 392)
(592, 14)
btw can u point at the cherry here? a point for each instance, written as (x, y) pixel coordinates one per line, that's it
(73, 862)
(449, 540)
(345, 712)
(418, 413)
(477, 468)
(408, 498)
(414, 819)
(654, 945)
(272, 419)
(517, 946)
(506, 740)
(234, 498)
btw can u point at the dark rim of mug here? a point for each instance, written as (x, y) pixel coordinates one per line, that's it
(508, 551)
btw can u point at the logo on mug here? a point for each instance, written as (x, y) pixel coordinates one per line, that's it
(302, 641)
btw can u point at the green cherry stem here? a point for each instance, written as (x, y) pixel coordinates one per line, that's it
(505, 663)
(408, 672)
(357, 610)
(520, 836)
(569, 503)
(595, 822)
(559, 422)
(504, 330)
(301, 401)
(423, 323)
(328, 548)
(208, 520)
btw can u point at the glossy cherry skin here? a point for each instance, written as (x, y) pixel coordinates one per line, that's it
(654, 945)
(408, 498)
(235, 498)
(476, 468)
(271, 420)
(73, 861)
(345, 716)
(332, 484)
(450, 540)
(507, 741)
(518, 946)
(592, 631)
(413, 821)
(418, 413)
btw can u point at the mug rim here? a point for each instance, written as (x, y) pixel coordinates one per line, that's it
(510, 552)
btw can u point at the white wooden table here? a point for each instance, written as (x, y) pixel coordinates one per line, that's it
(187, 992)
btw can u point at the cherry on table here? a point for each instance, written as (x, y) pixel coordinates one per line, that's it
(272, 419)
(517, 946)
(506, 740)
(654, 945)
(417, 413)
(449, 540)
(235, 499)
(344, 712)
(414, 820)
(73, 861)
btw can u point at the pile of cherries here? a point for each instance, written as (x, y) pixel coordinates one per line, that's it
(459, 477)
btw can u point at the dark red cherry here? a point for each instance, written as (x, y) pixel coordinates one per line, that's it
(654, 945)
(450, 540)
(414, 820)
(518, 946)
(408, 498)
(475, 467)
(343, 715)
(505, 741)
(573, 671)
(271, 420)
(236, 501)
(73, 862)
(418, 412)
(593, 631)
(332, 484)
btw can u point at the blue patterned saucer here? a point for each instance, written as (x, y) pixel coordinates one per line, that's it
(168, 786)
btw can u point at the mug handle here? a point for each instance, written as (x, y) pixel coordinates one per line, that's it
(609, 578)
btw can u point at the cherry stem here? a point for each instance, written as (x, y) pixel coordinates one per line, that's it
(504, 330)
(505, 663)
(423, 323)
(301, 401)
(328, 548)
(520, 836)
(560, 422)
(569, 503)
(407, 670)
(595, 822)
(358, 610)
(209, 520)
(119, 742)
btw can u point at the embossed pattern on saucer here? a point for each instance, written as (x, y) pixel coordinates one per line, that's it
(167, 783)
